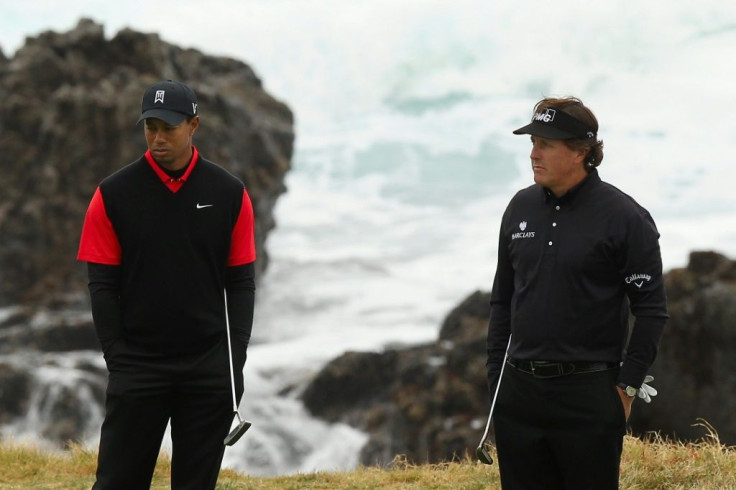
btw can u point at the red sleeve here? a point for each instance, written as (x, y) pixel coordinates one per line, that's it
(243, 242)
(99, 243)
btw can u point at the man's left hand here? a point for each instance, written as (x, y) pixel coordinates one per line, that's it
(646, 392)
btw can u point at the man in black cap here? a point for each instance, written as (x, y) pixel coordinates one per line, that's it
(575, 255)
(164, 238)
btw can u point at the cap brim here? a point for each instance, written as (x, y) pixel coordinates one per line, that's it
(169, 117)
(536, 128)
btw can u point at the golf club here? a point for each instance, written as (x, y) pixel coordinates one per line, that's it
(243, 425)
(481, 452)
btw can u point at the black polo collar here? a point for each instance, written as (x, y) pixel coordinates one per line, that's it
(588, 182)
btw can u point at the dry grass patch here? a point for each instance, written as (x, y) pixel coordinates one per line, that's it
(656, 463)
(649, 464)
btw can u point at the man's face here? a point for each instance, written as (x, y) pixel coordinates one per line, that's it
(556, 166)
(171, 146)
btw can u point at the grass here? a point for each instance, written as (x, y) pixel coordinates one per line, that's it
(652, 464)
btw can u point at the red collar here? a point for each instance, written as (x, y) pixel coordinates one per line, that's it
(174, 184)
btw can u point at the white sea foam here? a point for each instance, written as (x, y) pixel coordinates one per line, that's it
(62, 385)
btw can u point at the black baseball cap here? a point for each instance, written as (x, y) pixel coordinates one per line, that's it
(170, 101)
(557, 125)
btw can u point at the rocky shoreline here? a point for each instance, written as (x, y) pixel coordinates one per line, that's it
(430, 402)
(67, 120)
(427, 402)
(68, 109)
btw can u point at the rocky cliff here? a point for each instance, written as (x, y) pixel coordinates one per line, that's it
(695, 371)
(68, 106)
(430, 402)
(427, 402)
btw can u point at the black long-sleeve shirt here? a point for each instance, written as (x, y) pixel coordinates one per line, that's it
(569, 269)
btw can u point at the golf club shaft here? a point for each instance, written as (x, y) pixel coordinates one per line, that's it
(230, 355)
(495, 396)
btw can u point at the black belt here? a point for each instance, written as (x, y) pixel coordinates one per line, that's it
(552, 369)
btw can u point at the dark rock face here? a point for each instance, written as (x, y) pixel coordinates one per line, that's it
(45, 330)
(52, 379)
(14, 392)
(424, 402)
(430, 402)
(70, 409)
(68, 106)
(695, 371)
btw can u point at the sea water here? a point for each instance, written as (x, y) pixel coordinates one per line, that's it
(405, 161)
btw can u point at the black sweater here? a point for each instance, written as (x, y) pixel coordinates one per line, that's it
(169, 287)
(568, 271)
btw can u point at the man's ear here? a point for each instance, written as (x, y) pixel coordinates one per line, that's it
(193, 125)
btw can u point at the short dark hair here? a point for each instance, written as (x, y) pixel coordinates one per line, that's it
(575, 108)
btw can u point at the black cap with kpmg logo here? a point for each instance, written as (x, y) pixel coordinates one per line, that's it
(557, 125)
(172, 102)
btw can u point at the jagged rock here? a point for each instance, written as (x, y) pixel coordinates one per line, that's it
(68, 413)
(695, 371)
(48, 331)
(467, 319)
(68, 106)
(352, 380)
(14, 392)
(429, 403)
(421, 401)
(56, 397)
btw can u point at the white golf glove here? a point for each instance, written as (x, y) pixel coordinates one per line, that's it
(646, 392)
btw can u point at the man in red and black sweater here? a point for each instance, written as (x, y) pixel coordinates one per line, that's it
(164, 238)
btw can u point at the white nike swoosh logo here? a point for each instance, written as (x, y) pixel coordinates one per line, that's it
(200, 206)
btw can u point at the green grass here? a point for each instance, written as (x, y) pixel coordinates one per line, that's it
(645, 465)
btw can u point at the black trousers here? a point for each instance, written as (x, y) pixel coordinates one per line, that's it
(147, 391)
(559, 433)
